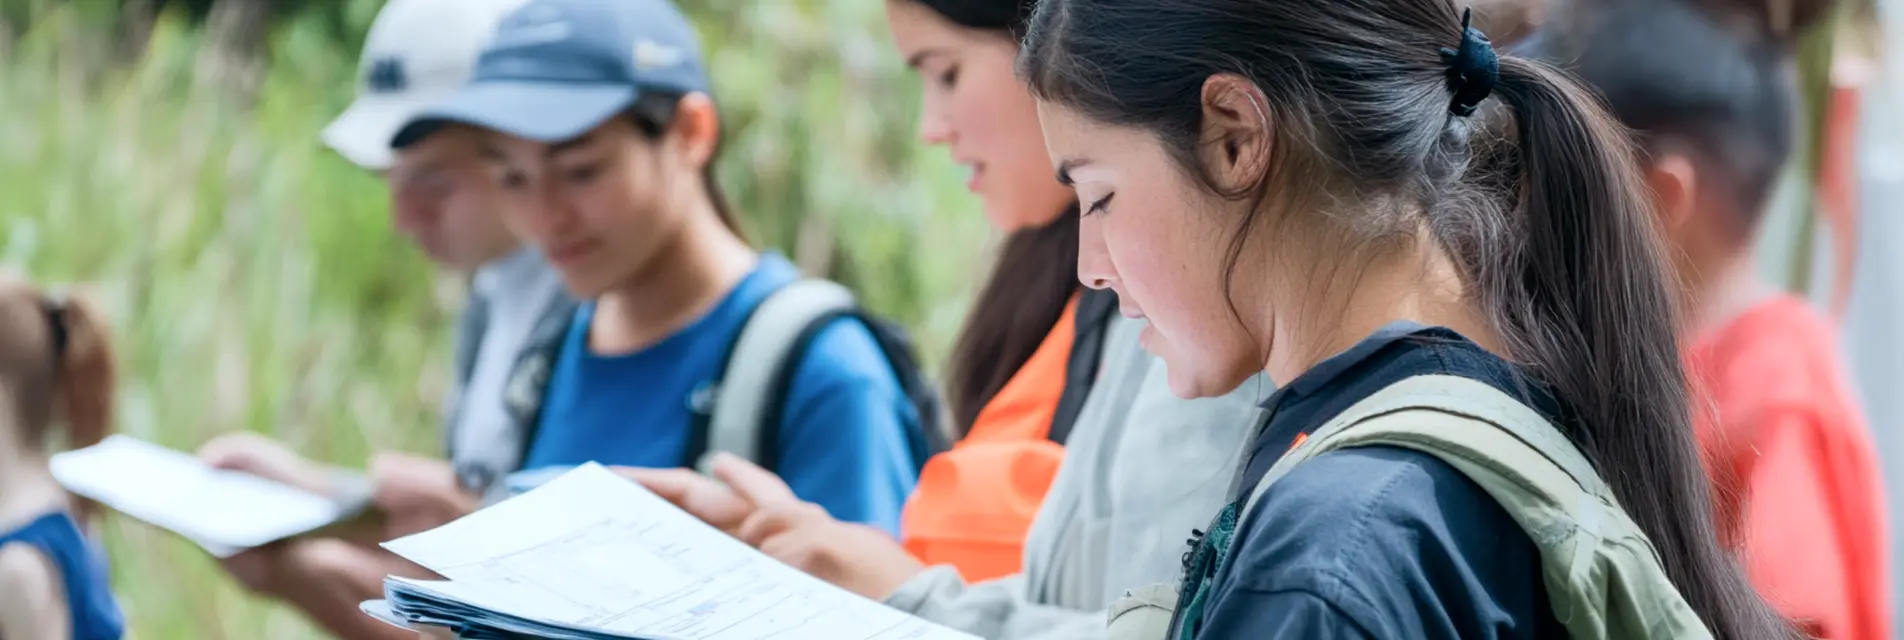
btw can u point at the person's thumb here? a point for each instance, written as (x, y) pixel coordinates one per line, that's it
(758, 486)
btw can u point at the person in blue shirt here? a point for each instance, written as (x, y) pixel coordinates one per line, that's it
(1343, 194)
(601, 136)
(55, 367)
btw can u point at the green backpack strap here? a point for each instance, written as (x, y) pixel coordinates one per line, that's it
(1603, 576)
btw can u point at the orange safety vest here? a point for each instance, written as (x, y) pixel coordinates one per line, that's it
(974, 503)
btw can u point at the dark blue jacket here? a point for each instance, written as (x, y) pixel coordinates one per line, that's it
(1372, 542)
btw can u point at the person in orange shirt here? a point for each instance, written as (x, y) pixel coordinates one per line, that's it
(1025, 359)
(1711, 93)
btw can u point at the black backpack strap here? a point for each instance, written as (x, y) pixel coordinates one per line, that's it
(1095, 310)
(928, 440)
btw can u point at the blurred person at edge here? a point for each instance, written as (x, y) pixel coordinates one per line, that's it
(416, 52)
(56, 387)
(1711, 91)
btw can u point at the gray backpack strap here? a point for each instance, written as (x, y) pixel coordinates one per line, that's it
(482, 469)
(470, 327)
(738, 399)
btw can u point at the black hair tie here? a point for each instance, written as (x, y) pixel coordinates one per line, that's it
(1472, 70)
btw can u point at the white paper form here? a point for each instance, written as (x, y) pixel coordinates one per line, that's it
(592, 551)
(222, 511)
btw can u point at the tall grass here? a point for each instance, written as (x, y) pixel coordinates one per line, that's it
(254, 280)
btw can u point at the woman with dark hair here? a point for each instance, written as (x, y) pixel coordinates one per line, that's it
(1446, 259)
(1710, 90)
(1039, 363)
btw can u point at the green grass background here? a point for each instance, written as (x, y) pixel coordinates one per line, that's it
(254, 281)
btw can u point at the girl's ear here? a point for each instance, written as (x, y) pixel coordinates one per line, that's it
(1236, 132)
(1675, 185)
(697, 128)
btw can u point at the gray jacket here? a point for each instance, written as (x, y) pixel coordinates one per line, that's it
(1141, 469)
(518, 307)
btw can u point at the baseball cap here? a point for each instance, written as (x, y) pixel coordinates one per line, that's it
(417, 53)
(555, 69)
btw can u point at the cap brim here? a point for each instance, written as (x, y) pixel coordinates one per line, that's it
(540, 111)
(362, 133)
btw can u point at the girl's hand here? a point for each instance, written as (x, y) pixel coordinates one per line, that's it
(249, 452)
(708, 499)
(417, 494)
(756, 506)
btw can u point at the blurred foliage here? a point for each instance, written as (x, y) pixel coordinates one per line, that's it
(255, 282)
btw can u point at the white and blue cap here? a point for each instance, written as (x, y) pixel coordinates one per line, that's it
(555, 69)
(418, 52)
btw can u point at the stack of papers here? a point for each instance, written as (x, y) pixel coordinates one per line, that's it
(590, 555)
(223, 511)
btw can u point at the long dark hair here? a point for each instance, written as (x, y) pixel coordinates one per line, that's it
(1536, 198)
(1713, 80)
(1033, 279)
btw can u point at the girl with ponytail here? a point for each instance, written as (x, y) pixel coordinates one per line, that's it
(1709, 89)
(1445, 258)
(56, 369)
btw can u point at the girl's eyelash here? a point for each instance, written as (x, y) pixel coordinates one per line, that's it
(949, 76)
(1098, 207)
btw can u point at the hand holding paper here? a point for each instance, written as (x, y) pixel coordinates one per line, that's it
(591, 555)
(222, 511)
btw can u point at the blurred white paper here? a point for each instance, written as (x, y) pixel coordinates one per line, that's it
(591, 555)
(223, 511)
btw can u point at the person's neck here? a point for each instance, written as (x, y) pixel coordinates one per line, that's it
(1418, 285)
(681, 283)
(1720, 293)
(27, 487)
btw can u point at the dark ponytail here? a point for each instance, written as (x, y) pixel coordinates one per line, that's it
(1585, 303)
(1535, 197)
(1709, 80)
